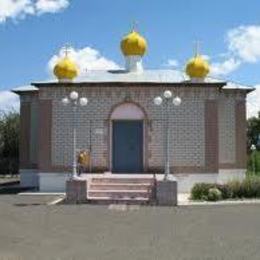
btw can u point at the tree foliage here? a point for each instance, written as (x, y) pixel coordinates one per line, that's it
(253, 131)
(9, 142)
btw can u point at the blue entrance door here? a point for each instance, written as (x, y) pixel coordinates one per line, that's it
(127, 146)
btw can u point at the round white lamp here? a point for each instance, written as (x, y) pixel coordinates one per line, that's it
(253, 147)
(157, 101)
(74, 95)
(65, 101)
(83, 101)
(167, 94)
(176, 101)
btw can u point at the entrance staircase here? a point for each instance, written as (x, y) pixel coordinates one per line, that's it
(121, 188)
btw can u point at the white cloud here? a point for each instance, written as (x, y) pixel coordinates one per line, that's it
(51, 6)
(205, 57)
(244, 42)
(8, 101)
(225, 67)
(253, 102)
(13, 9)
(172, 63)
(86, 58)
(243, 47)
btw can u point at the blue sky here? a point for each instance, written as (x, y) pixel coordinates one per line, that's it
(229, 32)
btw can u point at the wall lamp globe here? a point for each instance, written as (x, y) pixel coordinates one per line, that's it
(74, 95)
(65, 101)
(176, 101)
(157, 101)
(83, 101)
(167, 94)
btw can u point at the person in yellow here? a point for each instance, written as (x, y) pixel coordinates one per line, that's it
(83, 161)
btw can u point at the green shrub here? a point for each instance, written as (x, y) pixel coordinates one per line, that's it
(251, 187)
(248, 188)
(235, 188)
(214, 194)
(254, 158)
(9, 142)
(200, 191)
(226, 191)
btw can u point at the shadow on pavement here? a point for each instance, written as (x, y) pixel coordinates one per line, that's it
(13, 188)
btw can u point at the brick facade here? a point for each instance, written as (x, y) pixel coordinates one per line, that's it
(207, 129)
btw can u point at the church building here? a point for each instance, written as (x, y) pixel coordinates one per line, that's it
(129, 121)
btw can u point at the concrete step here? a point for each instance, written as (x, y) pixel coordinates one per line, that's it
(123, 180)
(119, 199)
(120, 186)
(108, 201)
(118, 194)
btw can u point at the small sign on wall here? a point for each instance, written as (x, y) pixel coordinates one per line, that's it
(99, 131)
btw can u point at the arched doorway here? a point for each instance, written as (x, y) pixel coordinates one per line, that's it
(127, 139)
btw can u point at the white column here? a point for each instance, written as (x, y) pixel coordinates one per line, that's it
(197, 80)
(134, 63)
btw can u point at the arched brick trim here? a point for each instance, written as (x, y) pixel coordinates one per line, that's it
(127, 102)
(109, 136)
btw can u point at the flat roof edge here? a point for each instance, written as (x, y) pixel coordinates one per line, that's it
(111, 83)
(22, 90)
(247, 90)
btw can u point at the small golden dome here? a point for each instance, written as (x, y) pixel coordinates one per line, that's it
(66, 69)
(133, 44)
(197, 67)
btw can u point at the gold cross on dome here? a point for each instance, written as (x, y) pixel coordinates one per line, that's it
(134, 26)
(197, 47)
(66, 49)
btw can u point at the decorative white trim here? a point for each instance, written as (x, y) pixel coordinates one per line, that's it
(56, 182)
(187, 181)
(29, 178)
(226, 175)
(53, 182)
(65, 80)
(197, 80)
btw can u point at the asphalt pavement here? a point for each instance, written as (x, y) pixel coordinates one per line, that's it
(31, 229)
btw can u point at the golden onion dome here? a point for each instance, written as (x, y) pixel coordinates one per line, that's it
(197, 67)
(133, 44)
(66, 69)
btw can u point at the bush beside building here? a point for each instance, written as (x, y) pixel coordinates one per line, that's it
(9, 143)
(248, 188)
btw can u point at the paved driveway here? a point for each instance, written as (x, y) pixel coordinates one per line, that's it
(31, 230)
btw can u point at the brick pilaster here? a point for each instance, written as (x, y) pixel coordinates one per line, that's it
(25, 125)
(211, 136)
(45, 130)
(241, 158)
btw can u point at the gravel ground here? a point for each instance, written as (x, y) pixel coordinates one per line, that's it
(29, 229)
